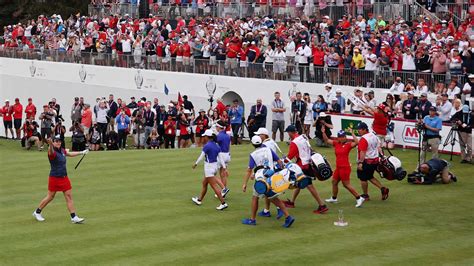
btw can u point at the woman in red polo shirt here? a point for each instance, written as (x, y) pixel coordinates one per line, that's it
(58, 179)
(342, 148)
(381, 120)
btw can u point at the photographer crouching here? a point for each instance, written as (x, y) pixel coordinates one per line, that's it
(432, 171)
(463, 121)
(31, 136)
(431, 126)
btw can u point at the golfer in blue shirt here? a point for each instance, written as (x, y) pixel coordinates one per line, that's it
(210, 154)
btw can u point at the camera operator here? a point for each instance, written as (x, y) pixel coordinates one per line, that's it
(431, 126)
(138, 120)
(323, 121)
(46, 118)
(463, 122)
(59, 130)
(31, 135)
(298, 112)
(432, 170)
(54, 107)
(78, 137)
(102, 118)
(76, 111)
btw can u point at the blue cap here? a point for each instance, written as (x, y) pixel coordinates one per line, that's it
(362, 125)
(341, 133)
(290, 128)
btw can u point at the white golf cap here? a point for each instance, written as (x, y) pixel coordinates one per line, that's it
(262, 130)
(338, 91)
(471, 76)
(6, 100)
(328, 85)
(208, 133)
(256, 140)
(186, 111)
(322, 114)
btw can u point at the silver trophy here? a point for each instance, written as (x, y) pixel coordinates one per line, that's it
(139, 79)
(32, 69)
(82, 74)
(340, 219)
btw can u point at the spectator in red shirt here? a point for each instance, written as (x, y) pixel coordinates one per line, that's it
(381, 120)
(86, 119)
(318, 62)
(30, 110)
(17, 111)
(170, 132)
(6, 112)
(220, 107)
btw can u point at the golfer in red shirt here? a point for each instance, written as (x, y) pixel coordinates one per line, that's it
(342, 148)
(58, 179)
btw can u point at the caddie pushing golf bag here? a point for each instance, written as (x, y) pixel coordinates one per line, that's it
(321, 167)
(391, 168)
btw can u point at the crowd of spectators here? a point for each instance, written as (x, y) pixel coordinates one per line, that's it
(109, 122)
(365, 50)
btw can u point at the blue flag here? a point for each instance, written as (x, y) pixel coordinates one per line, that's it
(166, 90)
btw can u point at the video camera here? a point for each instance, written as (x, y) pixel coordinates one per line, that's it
(420, 126)
(417, 178)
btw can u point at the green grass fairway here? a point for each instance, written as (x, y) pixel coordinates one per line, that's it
(138, 210)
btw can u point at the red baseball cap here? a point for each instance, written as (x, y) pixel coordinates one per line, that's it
(17, 99)
(30, 99)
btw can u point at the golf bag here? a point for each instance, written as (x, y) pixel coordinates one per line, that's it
(321, 167)
(391, 168)
(272, 184)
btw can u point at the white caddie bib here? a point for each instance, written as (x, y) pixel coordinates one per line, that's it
(304, 149)
(263, 157)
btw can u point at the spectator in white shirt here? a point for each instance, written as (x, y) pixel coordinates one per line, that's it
(290, 54)
(466, 90)
(408, 63)
(444, 108)
(330, 93)
(453, 90)
(370, 60)
(421, 87)
(397, 87)
(304, 53)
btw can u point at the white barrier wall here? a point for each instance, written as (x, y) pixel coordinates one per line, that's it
(44, 80)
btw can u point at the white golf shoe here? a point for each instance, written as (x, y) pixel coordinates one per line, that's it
(38, 216)
(77, 220)
(196, 201)
(331, 200)
(222, 207)
(359, 202)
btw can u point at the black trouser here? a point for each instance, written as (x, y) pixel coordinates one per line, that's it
(169, 141)
(102, 128)
(235, 132)
(78, 146)
(122, 138)
(318, 74)
(304, 68)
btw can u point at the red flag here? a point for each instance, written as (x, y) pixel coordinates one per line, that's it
(180, 100)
